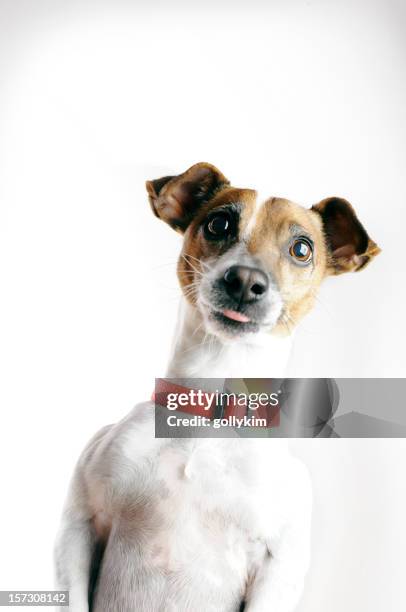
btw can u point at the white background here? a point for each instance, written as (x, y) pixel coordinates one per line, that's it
(300, 99)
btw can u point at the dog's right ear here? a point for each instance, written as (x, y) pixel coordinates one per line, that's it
(176, 199)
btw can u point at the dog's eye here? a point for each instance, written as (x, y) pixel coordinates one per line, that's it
(301, 250)
(218, 226)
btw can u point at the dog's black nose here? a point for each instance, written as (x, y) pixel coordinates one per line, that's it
(245, 284)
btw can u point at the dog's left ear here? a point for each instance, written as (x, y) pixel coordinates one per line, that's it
(176, 199)
(349, 245)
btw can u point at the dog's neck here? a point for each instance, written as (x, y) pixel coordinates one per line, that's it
(197, 354)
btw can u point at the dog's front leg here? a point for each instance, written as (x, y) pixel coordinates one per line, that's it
(73, 555)
(77, 551)
(278, 582)
(75, 548)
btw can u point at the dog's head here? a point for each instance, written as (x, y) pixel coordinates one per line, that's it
(252, 266)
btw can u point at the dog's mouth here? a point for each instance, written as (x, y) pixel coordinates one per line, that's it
(235, 315)
(233, 322)
(230, 318)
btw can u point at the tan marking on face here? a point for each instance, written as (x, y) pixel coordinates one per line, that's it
(266, 230)
(278, 222)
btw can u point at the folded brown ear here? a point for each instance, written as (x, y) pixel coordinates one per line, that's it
(349, 245)
(176, 199)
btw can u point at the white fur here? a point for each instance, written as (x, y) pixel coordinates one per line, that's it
(199, 354)
(259, 204)
(191, 525)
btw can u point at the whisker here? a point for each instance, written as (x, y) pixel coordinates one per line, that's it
(202, 263)
(192, 266)
(197, 328)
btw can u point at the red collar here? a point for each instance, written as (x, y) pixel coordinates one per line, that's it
(164, 387)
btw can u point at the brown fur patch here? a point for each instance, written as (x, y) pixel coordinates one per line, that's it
(350, 247)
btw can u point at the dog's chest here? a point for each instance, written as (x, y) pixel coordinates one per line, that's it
(199, 510)
(195, 513)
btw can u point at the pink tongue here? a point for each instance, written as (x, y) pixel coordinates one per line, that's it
(236, 316)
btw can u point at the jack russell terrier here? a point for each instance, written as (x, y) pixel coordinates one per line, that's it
(215, 524)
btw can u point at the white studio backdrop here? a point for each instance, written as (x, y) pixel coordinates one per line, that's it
(300, 99)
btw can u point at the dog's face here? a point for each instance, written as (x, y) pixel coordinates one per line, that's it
(250, 265)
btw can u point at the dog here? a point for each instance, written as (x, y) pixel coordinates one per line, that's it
(210, 524)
